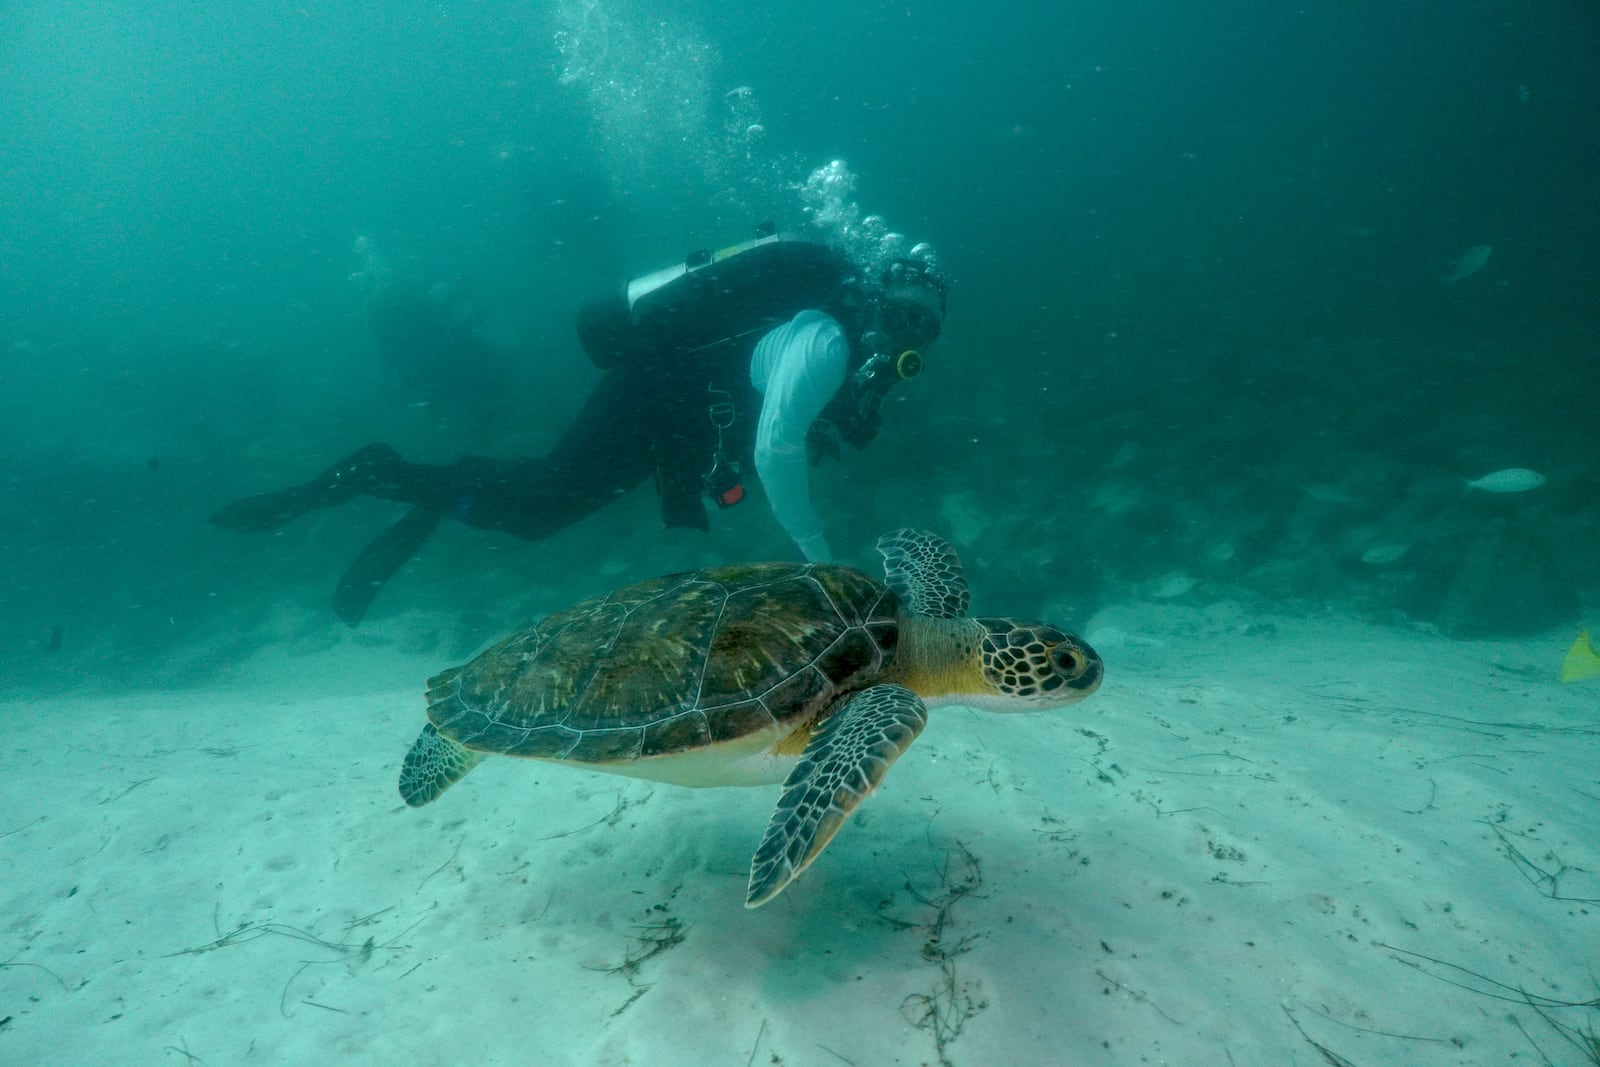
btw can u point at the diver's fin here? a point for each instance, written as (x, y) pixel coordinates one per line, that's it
(1582, 660)
(372, 469)
(378, 562)
(265, 512)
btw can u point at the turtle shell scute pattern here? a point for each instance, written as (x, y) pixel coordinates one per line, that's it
(672, 664)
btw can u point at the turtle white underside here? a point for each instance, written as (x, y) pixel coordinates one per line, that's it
(743, 761)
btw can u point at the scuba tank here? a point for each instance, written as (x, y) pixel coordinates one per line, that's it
(711, 298)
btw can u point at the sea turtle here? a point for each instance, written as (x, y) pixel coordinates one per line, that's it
(814, 675)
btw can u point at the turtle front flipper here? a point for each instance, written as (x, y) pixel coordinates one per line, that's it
(433, 765)
(845, 759)
(925, 573)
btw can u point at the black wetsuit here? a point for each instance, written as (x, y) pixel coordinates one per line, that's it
(651, 414)
(635, 425)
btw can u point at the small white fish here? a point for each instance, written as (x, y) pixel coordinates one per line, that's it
(1510, 480)
(1386, 553)
(1469, 263)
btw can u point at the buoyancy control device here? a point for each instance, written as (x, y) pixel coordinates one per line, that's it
(711, 298)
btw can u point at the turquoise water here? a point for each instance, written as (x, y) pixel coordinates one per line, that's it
(1209, 244)
(1222, 328)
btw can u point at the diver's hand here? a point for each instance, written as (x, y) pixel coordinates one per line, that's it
(859, 430)
(822, 442)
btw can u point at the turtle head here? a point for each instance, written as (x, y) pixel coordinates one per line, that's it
(1030, 666)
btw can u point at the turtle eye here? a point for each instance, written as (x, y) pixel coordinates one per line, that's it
(1068, 660)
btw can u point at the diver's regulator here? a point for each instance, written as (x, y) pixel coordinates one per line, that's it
(881, 370)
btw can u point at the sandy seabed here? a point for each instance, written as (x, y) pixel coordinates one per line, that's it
(1264, 841)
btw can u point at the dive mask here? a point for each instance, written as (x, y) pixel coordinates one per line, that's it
(908, 323)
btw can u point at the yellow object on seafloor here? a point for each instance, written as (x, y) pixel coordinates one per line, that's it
(1582, 660)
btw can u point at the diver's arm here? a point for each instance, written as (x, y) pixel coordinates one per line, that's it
(804, 374)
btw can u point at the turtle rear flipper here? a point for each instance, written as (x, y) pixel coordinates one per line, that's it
(845, 759)
(433, 765)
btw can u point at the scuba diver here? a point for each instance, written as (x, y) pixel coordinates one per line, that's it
(765, 355)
